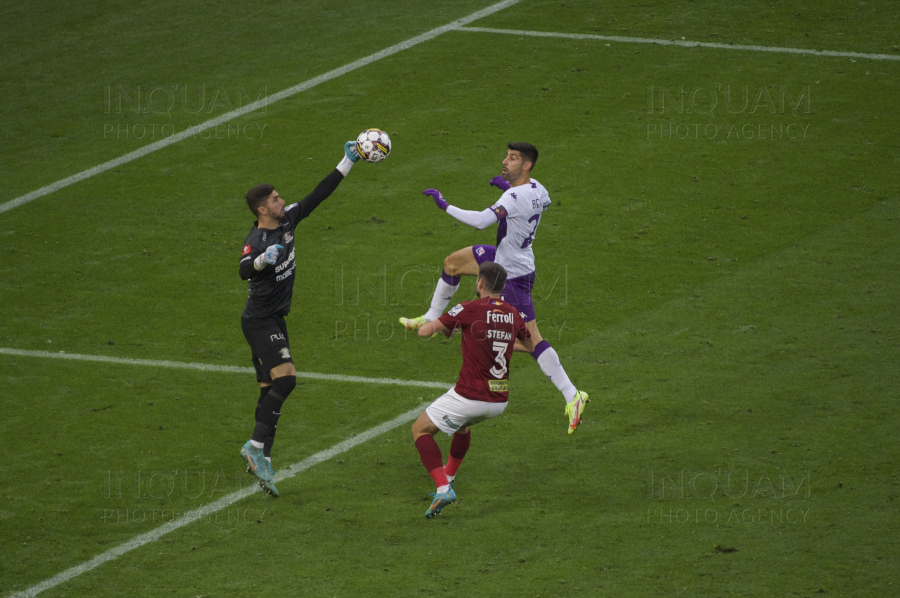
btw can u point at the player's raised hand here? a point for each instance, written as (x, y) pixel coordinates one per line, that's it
(350, 151)
(439, 200)
(268, 257)
(500, 183)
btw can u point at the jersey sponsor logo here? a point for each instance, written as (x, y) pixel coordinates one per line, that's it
(514, 196)
(498, 317)
(285, 353)
(289, 273)
(285, 263)
(456, 310)
(498, 385)
(246, 250)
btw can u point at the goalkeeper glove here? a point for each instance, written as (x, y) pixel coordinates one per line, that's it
(350, 151)
(267, 258)
(439, 200)
(500, 183)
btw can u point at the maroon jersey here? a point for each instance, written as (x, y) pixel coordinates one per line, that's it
(490, 328)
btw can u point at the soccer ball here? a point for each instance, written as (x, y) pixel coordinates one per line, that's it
(373, 145)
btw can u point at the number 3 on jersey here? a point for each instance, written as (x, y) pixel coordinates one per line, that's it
(537, 220)
(499, 370)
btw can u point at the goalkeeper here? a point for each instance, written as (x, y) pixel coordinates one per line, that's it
(268, 263)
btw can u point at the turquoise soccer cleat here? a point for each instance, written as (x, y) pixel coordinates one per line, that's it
(256, 462)
(269, 487)
(440, 501)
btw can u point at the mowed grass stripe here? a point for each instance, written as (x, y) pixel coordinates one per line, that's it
(682, 43)
(252, 107)
(206, 367)
(222, 503)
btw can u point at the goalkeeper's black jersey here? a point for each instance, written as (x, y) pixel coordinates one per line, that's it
(271, 288)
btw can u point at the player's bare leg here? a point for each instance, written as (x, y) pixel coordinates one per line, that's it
(423, 431)
(457, 264)
(548, 359)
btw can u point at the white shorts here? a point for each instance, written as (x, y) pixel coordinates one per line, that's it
(451, 411)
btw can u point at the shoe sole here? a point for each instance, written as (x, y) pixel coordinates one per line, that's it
(270, 490)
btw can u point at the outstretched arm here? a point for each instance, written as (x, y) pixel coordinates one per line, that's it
(327, 186)
(479, 220)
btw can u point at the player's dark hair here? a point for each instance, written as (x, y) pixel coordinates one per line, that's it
(493, 275)
(528, 151)
(257, 195)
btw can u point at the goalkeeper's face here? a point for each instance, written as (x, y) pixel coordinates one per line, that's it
(274, 206)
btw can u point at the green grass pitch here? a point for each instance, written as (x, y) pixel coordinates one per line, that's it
(719, 271)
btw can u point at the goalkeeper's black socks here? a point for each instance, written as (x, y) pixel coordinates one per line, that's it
(269, 409)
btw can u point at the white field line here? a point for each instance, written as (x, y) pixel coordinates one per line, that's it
(216, 506)
(252, 107)
(206, 367)
(683, 43)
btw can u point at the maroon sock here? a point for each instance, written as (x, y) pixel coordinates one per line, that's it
(430, 453)
(458, 447)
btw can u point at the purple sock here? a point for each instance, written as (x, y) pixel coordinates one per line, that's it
(540, 348)
(453, 281)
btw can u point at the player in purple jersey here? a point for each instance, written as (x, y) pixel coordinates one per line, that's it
(517, 214)
(268, 263)
(490, 327)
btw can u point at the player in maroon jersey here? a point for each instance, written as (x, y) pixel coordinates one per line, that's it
(490, 327)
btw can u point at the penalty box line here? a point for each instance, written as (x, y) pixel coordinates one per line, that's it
(222, 503)
(254, 106)
(206, 367)
(683, 43)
